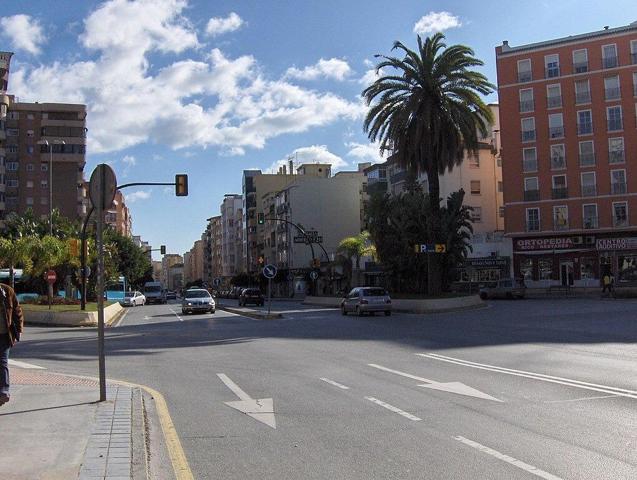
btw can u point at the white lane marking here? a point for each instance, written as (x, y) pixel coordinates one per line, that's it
(177, 315)
(336, 384)
(394, 409)
(402, 374)
(19, 364)
(581, 399)
(261, 409)
(535, 376)
(506, 458)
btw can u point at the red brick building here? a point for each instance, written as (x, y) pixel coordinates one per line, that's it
(569, 140)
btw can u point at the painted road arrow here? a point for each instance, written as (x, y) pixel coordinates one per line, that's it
(261, 409)
(451, 387)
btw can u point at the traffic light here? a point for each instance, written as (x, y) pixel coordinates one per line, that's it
(316, 262)
(261, 260)
(74, 249)
(181, 185)
(162, 249)
(260, 218)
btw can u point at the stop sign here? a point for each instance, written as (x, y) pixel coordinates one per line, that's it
(50, 276)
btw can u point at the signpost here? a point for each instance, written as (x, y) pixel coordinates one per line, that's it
(50, 278)
(269, 272)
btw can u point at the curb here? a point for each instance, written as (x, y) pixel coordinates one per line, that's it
(250, 313)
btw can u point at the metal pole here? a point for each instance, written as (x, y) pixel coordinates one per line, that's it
(269, 295)
(51, 188)
(83, 258)
(100, 286)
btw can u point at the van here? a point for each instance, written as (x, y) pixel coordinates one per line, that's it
(154, 293)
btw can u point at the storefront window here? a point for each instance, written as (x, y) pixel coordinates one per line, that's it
(546, 269)
(587, 270)
(627, 268)
(526, 268)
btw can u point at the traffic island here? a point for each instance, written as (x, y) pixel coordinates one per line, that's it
(249, 312)
(69, 315)
(413, 305)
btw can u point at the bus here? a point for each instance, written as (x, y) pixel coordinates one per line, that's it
(115, 289)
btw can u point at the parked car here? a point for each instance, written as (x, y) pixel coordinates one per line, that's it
(503, 288)
(132, 299)
(362, 300)
(197, 300)
(170, 295)
(251, 295)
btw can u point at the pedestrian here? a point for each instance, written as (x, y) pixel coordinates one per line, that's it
(11, 324)
(611, 285)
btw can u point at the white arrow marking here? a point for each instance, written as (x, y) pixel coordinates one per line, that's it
(451, 387)
(261, 409)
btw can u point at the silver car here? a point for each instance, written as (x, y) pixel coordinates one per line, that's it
(503, 288)
(362, 300)
(132, 299)
(197, 300)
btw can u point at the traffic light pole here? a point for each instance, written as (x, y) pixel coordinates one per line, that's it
(83, 259)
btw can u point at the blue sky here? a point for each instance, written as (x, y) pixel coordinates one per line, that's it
(211, 88)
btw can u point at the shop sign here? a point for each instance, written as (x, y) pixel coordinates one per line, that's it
(626, 243)
(483, 262)
(557, 243)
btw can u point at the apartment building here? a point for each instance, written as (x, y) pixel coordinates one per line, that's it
(231, 257)
(171, 264)
(194, 262)
(118, 215)
(5, 61)
(569, 137)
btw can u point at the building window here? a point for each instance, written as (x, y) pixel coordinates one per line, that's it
(30, 133)
(30, 149)
(29, 184)
(13, 183)
(582, 92)
(524, 70)
(552, 65)
(584, 122)
(627, 268)
(13, 116)
(616, 150)
(476, 214)
(44, 167)
(620, 214)
(29, 200)
(12, 148)
(528, 129)
(553, 96)
(560, 189)
(609, 56)
(475, 187)
(30, 116)
(589, 215)
(589, 184)
(580, 61)
(556, 125)
(29, 167)
(633, 52)
(12, 166)
(560, 217)
(614, 118)
(501, 212)
(531, 189)
(526, 100)
(44, 183)
(558, 157)
(12, 132)
(618, 182)
(529, 160)
(634, 84)
(532, 219)
(474, 161)
(611, 88)
(500, 186)
(586, 153)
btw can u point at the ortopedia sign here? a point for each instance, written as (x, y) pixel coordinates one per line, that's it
(558, 243)
(626, 243)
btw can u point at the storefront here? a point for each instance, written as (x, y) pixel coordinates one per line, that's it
(484, 269)
(578, 261)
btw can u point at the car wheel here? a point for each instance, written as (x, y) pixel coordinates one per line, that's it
(343, 311)
(483, 296)
(212, 311)
(387, 313)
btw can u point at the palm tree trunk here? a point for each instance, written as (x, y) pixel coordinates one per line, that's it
(434, 272)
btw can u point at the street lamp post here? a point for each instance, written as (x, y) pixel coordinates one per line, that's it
(50, 145)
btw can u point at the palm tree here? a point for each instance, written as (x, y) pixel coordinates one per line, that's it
(356, 247)
(426, 112)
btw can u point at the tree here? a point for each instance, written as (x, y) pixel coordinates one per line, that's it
(16, 253)
(427, 111)
(29, 225)
(355, 247)
(128, 259)
(457, 228)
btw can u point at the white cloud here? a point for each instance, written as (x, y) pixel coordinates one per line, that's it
(334, 68)
(311, 154)
(219, 25)
(24, 32)
(365, 152)
(370, 76)
(138, 195)
(436, 22)
(215, 101)
(129, 160)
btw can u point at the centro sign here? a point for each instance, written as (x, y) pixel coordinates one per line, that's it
(616, 243)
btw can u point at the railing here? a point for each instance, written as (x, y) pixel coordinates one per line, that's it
(533, 226)
(580, 67)
(586, 159)
(615, 124)
(556, 132)
(590, 222)
(589, 190)
(612, 93)
(531, 195)
(555, 101)
(584, 128)
(552, 72)
(526, 106)
(528, 135)
(616, 156)
(525, 77)
(561, 192)
(560, 223)
(583, 97)
(618, 188)
(529, 165)
(610, 62)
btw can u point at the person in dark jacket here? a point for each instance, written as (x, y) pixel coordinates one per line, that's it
(11, 324)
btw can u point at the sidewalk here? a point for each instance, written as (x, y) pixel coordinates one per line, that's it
(55, 429)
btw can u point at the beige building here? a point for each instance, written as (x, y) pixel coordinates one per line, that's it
(167, 262)
(156, 270)
(231, 256)
(194, 263)
(118, 215)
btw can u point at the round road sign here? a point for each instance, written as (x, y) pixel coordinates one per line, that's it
(216, 282)
(314, 274)
(50, 276)
(102, 186)
(269, 271)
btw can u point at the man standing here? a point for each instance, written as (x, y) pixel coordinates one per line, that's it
(11, 324)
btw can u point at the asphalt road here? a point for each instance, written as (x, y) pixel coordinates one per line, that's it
(522, 389)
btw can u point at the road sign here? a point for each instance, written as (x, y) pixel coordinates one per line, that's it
(216, 282)
(78, 272)
(95, 191)
(430, 248)
(441, 248)
(50, 276)
(314, 274)
(269, 271)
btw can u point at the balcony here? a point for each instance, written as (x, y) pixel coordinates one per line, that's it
(589, 190)
(554, 102)
(587, 159)
(525, 77)
(590, 222)
(615, 124)
(552, 72)
(526, 106)
(556, 132)
(531, 195)
(618, 188)
(612, 93)
(532, 225)
(560, 192)
(585, 128)
(528, 135)
(610, 62)
(616, 156)
(583, 97)
(560, 223)
(580, 67)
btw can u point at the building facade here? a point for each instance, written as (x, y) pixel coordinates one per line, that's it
(569, 137)
(118, 216)
(231, 257)
(167, 262)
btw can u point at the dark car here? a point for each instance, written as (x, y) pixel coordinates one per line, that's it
(170, 295)
(251, 295)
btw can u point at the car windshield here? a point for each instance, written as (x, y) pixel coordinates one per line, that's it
(374, 292)
(152, 289)
(129, 295)
(197, 294)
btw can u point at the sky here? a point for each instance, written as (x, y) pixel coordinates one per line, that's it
(211, 88)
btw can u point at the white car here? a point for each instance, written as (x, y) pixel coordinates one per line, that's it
(197, 300)
(132, 299)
